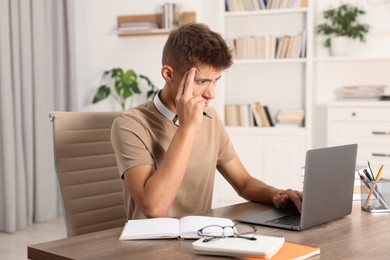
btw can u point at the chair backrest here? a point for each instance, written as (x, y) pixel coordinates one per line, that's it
(87, 172)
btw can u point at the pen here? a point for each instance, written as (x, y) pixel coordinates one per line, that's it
(369, 167)
(374, 185)
(204, 114)
(376, 192)
(368, 175)
(207, 115)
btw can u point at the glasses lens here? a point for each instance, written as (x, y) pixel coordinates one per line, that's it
(244, 230)
(212, 231)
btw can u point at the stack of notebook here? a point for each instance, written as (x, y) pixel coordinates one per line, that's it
(264, 247)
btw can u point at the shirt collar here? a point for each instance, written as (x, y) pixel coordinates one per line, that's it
(164, 110)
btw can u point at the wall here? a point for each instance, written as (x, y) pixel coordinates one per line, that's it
(98, 48)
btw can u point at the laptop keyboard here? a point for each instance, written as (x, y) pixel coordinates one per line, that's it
(292, 220)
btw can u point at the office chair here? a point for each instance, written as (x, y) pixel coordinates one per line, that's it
(87, 172)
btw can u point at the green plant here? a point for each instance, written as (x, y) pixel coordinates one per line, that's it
(125, 83)
(343, 21)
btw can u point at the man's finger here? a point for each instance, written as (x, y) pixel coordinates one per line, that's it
(181, 86)
(189, 83)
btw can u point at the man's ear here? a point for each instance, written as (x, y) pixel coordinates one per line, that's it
(167, 73)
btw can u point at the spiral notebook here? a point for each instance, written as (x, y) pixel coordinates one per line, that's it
(292, 251)
(264, 246)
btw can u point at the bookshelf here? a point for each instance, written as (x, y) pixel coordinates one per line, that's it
(272, 154)
(185, 17)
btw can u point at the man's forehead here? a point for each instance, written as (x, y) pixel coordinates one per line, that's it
(208, 72)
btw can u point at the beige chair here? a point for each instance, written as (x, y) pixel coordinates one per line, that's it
(87, 172)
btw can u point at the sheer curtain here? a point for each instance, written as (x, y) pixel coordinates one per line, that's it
(36, 77)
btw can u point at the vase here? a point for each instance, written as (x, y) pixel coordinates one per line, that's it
(339, 46)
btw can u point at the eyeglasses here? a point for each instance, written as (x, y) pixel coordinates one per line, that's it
(238, 230)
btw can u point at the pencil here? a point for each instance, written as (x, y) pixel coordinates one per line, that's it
(374, 185)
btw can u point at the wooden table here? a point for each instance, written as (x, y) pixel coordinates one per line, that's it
(357, 236)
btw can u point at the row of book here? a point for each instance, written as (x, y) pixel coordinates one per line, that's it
(254, 5)
(256, 114)
(269, 46)
(363, 91)
(170, 18)
(136, 27)
(247, 115)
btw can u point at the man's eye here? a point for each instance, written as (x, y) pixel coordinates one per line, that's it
(200, 82)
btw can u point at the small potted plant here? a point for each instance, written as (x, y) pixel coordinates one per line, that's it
(122, 85)
(341, 24)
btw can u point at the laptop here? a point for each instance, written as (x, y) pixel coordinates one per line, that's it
(327, 192)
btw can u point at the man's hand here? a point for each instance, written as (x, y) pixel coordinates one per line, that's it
(189, 108)
(285, 198)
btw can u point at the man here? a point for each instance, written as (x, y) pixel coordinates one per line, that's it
(168, 149)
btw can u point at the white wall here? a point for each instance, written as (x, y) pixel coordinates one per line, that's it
(98, 48)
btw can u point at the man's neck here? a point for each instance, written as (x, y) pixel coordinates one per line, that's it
(167, 101)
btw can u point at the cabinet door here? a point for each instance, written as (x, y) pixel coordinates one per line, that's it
(249, 149)
(284, 158)
(276, 160)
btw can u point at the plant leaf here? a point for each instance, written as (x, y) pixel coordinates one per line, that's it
(130, 77)
(102, 93)
(134, 87)
(126, 92)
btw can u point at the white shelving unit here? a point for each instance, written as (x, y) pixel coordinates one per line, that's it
(274, 155)
(366, 123)
(366, 63)
(334, 72)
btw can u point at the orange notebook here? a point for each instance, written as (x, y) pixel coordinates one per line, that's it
(292, 250)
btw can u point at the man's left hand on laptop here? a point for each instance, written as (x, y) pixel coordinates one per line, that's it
(285, 197)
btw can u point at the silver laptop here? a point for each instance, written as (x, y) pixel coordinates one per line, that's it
(327, 192)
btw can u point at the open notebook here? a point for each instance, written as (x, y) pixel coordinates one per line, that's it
(159, 228)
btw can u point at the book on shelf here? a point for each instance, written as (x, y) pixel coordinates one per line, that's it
(292, 251)
(136, 27)
(160, 228)
(231, 115)
(363, 91)
(269, 118)
(142, 25)
(263, 116)
(290, 117)
(170, 15)
(264, 246)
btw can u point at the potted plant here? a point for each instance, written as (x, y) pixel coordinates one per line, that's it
(341, 24)
(122, 85)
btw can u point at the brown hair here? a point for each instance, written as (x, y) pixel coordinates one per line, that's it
(196, 44)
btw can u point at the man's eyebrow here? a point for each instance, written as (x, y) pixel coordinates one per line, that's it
(207, 79)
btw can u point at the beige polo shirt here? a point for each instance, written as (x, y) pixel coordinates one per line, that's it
(142, 135)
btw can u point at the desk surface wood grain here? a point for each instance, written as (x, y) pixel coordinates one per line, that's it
(357, 236)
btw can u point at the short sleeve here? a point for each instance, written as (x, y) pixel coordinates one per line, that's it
(130, 142)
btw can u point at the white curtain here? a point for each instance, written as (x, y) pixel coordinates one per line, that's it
(36, 77)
